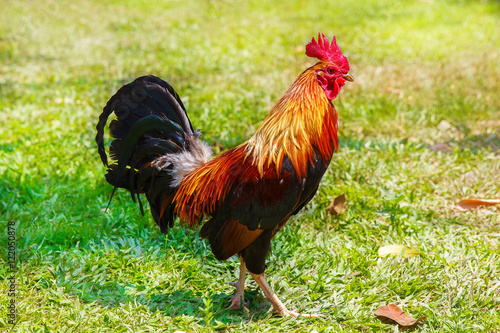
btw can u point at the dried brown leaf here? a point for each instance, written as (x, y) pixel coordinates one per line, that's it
(441, 147)
(468, 204)
(337, 206)
(394, 313)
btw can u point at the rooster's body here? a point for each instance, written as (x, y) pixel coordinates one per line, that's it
(249, 192)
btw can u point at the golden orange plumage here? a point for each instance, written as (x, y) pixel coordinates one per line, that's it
(302, 118)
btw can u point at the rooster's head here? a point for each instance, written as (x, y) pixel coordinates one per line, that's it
(334, 69)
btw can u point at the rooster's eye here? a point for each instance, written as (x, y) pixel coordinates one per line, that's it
(330, 70)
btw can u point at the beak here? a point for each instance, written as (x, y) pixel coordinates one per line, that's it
(348, 77)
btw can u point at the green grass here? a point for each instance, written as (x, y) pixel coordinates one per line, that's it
(418, 66)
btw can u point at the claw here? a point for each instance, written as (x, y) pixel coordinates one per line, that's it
(285, 313)
(278, 307)
(238, 299)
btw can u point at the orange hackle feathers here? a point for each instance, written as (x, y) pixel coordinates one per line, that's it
(202, 189)
(302, 119)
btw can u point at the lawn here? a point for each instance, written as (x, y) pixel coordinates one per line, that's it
(426, 73)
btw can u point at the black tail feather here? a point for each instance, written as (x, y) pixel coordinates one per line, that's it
(138, 130)
(146, 96)
(151, 122)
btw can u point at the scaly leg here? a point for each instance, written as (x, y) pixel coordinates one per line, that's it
(278, 307)
(239, 296)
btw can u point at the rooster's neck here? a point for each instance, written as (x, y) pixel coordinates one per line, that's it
(302, 125)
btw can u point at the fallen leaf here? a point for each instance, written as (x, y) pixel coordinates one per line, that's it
(441, 147)
(409, 252)
(337, 206)
(468, 204)
(394, 312)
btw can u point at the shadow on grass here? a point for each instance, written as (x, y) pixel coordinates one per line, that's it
(474, 144)
(181, 303)
(72, 233)
(207, 311)
(481, 141)
(118, 241)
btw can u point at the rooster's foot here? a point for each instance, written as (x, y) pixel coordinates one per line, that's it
(238, 299)
(278, 307)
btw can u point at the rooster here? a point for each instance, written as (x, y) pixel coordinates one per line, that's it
(247, 193)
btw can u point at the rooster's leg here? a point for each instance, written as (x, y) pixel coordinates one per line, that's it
(278, 307)
(239, 297)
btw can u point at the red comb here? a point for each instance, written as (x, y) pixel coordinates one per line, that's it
(323, 50)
